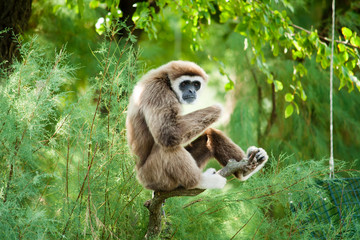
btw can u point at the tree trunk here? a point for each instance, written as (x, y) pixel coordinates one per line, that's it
(14, 17)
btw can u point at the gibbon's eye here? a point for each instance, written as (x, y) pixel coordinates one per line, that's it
(184, 83)
(197, 85)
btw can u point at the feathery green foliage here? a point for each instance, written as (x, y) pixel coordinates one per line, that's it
(66, 169)
(67, 172)
(265, 207)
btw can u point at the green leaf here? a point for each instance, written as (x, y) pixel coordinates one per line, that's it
(276, 49)
(194, 47)
(297, 46)
(324, 63)
(355, 40)
(289, 110)
(229, 86)
(351, 64)
(211, 7)
(221, 70)
(341, 47)
(241, 28)
(344, 77)
(94, 4)
(289, 97)
(297, 54)
(320, 52)
(327, 51)
(278, 86)
(346, 32)
(297, 108)
(224, 16)
(303, 95)
(356, 81)
(313, 36)
(300, 68)
(56, 7)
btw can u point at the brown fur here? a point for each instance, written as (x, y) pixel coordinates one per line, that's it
(158, 132)
(214, 144)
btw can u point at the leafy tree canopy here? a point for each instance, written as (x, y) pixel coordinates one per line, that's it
(265, 25)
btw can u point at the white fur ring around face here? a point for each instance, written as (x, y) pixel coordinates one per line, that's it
(210, 179)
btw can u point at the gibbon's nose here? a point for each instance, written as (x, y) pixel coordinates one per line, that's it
(191, 90)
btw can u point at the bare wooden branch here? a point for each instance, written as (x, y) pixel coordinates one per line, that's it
(154, 204)
(232, 167)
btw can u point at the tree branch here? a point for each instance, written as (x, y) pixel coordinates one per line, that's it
(273, 114)
(259, 97)
(154, 204)
(324, 38)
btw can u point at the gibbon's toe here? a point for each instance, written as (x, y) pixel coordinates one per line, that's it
(250, 150)
(210, 171)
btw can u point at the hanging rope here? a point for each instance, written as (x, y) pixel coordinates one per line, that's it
(331, 161)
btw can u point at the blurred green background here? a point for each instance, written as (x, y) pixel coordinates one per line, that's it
(66, 169)
(252, 119)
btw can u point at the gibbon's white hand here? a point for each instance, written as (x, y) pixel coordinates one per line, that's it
(261, 155)
(210, 180)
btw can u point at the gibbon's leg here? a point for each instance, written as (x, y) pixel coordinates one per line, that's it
(184, 169)
(214, 143)
(167, 169)
(200, 151)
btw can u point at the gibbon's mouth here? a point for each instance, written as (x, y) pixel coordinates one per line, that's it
(189, 99)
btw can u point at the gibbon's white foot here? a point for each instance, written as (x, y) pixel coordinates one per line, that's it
(211, 179)
(256, 164)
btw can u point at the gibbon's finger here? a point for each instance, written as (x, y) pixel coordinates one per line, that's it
(252, 157)
(251, 150)
(262, 155)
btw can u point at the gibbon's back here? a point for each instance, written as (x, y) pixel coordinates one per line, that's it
(139, 137)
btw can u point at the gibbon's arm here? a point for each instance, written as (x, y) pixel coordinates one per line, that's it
(194, 123)
(170, 129)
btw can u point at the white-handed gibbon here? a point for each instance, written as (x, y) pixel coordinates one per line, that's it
(172, 148)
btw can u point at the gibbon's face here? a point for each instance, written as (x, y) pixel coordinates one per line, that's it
(187, 88)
